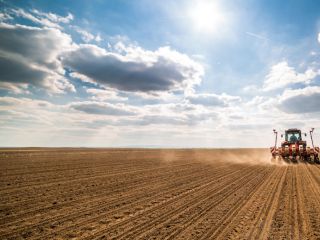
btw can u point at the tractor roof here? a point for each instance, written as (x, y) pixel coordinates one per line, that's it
(293, 130)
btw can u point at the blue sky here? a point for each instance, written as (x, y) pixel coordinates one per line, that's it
(166, 73)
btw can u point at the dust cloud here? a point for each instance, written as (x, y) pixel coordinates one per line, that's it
(237, 156)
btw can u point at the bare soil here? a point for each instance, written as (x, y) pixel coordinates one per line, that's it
(156, 194)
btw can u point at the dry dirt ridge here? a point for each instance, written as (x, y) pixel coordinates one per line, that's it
(156, 194)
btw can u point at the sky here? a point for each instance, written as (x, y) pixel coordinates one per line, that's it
(120, 73)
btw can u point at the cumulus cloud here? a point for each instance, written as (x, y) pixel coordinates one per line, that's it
(30, 55)
(100, 108)
(135, 69)
(38, 56)
(212, 100)
(305, 100)
(282, 75)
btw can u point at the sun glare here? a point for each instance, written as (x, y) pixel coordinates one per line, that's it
(206, 16)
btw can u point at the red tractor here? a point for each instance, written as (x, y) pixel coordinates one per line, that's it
(293, 149)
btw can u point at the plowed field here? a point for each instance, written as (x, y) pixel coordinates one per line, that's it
(156, 194)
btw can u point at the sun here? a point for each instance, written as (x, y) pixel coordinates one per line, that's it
(206, 16)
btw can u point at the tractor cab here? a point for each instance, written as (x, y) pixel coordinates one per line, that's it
(293, 135)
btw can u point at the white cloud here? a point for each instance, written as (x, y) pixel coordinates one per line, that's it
(282, 75)
(319, 37)
(41, 54)
(30, 55)
(87, 36)
(23, 113)
(305, 100)
(137, 69)
(131, 89)
(105, 94)
(41, 18)
(258, 36)
(5, 16)
(212, 100)
(24, 102)
(54, 17)
(100, 108)
(15, 88)
(251, 89)
(98, 38)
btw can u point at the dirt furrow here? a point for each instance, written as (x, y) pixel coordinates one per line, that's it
(99, 206)
(92, 204)
(138, 206)
(182, 221)
(51, 195)
(247, 214)
(285, 222)
(155, 194)
(90, 195)
(71, 167)
(85, 178)
(154, 215)
(311, 192)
